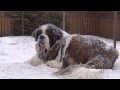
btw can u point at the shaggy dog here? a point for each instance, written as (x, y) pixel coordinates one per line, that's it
(49, 33)
(74, 54)
(64, 51)
(76, 49)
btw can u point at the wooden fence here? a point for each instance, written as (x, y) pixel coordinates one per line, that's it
(5, 26)
(106, 28)
(102, 27)
(82, 26)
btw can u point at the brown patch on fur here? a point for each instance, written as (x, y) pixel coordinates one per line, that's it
(67, 60)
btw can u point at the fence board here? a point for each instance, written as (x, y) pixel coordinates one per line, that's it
(105, 27)
(0, 27)
(5, 26)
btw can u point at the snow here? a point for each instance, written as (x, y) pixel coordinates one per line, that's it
(8, 40)
(14, 50)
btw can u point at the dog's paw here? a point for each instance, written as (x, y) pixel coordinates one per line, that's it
(54, 64)
(34, 62)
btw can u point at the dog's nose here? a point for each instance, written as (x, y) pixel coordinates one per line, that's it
(41, 37)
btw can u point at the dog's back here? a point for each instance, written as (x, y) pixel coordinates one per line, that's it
(90, 51)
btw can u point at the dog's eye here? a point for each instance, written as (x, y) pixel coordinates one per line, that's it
(38, 32)
(41, 37)
(47, 32)
(45, 50)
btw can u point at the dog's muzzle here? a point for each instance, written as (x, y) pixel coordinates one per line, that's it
(41, 42)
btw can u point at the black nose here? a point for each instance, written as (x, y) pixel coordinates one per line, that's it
(41, 37)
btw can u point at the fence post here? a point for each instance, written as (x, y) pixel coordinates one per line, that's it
(22, 23)
(63, 20)
(115, 28)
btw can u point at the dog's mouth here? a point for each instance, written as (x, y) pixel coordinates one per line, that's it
(42, 45)
(45, 50)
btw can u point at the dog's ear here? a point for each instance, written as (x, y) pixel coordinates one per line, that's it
(55, 33)
(33, 34)
(36, 34)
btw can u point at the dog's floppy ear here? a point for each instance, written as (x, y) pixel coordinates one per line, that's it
(55, 33)
(36, 34)
(33, 34)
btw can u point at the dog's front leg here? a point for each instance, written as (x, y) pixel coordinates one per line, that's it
(35, 61)
(54, 64)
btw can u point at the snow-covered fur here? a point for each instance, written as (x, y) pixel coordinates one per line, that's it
(78, 72)
(70, 72)
(76, 49)
(71, 50)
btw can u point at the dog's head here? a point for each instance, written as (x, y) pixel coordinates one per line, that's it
(48, 34)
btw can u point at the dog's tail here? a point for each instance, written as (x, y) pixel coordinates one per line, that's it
(78, 72)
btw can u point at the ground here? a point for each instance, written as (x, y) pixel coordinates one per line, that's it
(14, 50)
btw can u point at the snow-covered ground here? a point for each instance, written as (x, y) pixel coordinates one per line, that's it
(15, 50)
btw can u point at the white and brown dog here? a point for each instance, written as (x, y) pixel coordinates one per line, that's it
(75, 49)
(46, 34)
(60, 50)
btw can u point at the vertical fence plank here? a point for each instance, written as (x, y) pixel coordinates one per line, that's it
(8, 26)
(5, 26)
(0, 27)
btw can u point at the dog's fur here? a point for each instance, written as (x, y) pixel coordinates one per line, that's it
(64, 50)
(76, 49)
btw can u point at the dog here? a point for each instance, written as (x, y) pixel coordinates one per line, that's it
(75, 49)
(75, 56)
(64, 50)
(50, 34)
